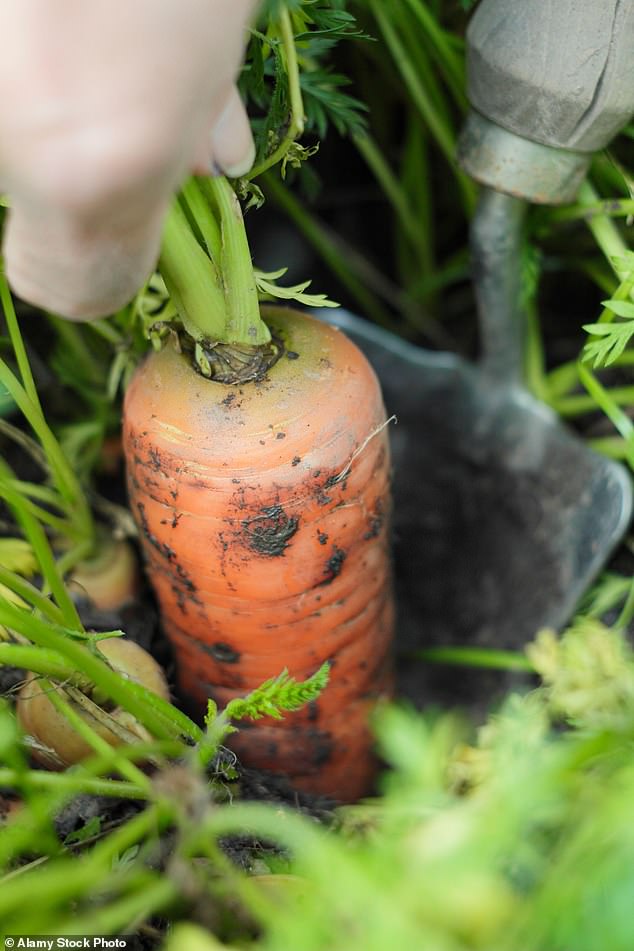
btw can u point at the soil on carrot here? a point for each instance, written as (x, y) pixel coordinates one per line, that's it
(269, 532)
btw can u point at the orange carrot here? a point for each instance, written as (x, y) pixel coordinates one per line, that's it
(264, 511)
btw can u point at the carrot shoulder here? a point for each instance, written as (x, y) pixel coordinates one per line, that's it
(264, 512)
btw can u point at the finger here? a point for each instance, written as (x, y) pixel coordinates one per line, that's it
(74, 272)
(232, 147)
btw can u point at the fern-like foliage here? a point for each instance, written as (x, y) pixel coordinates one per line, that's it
(610, 336)
(613, 337)
(318, 26)
(281, 694)
(269, 290)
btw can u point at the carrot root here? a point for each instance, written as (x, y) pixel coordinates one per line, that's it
(111, 579)
(263, 511)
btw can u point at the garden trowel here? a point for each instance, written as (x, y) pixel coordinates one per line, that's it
(502, 516)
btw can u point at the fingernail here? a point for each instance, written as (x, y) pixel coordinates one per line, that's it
(214, 169)
(238, 169)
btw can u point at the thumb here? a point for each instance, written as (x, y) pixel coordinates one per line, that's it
(231, 145)
(76, 272)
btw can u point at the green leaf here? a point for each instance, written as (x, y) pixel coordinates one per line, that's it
(622, 308)
(613, 340)
(212, 712)
(280, 693)
(623, 263)
(85, 832)
(250, 193)
(126, 860)
(296, 156)
(81, 443)
(588, 674)
(326, 103)
(268, 289)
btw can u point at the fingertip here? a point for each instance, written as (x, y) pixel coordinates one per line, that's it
(77, 277)
(232, 145)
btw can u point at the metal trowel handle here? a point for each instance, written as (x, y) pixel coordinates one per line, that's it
(550, 83)
(496, 255)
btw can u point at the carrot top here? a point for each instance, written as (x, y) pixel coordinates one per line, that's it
(206, 265)
(205, 261)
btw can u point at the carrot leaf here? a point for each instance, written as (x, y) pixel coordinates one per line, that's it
(611, 339)
(268, 289)
(281, 693)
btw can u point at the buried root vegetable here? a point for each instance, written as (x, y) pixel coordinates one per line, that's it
(57, 742)
(269, 552)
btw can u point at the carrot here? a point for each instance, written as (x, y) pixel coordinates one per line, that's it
(264, 510)
(110, 578)
(62, 745)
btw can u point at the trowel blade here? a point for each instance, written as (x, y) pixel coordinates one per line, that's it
(502, 517)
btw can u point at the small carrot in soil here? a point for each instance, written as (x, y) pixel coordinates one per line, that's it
(263, 510)
(62, 745)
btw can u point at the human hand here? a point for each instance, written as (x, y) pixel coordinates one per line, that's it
(105, 106)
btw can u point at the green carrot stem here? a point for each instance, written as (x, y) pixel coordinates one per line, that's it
(74, 783)
(71, 336)
(562, 380)
(62, 526)
(448, 59)
(603, 229)
(62, 474)
(40, 660)
(102, 748)
(244, 324)
(610, 208)
(226, 309)
(26, 442)
(190, 279)
(579, 403)
(605, 400)
(194, 195)
(18, 343)
(43, 493)
(24, 589)
(422, 98)
(39, 542)
(106, 331)
(157, 715)
(127, 913)
(627, 613)
(534, 360)
(475, 657)
(394, 191)
(296, 119)
(614, 447)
